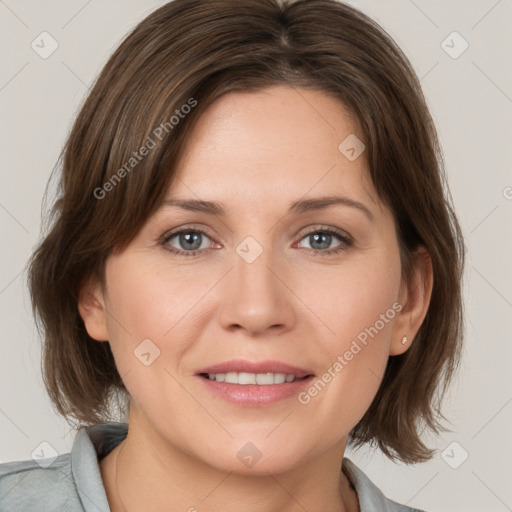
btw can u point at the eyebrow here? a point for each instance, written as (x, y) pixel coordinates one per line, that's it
(301, 206)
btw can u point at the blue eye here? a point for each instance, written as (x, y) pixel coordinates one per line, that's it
(191, 242)
(324, 238)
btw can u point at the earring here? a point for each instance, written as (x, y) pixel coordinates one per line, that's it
(404, 340)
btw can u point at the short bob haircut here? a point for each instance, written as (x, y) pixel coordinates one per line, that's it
(117, 165)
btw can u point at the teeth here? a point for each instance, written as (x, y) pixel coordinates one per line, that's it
(243, 378)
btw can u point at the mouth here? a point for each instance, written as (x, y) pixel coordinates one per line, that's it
(262, 373)
(248, 383)
(245, 378)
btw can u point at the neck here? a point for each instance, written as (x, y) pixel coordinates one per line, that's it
(145, 472)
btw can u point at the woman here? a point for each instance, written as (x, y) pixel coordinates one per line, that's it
(254, 255)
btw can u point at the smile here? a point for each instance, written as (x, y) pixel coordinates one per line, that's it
(254, 384)
(244, 378)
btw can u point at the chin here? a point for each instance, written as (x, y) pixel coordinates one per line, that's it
(262, 467)
(256, 458)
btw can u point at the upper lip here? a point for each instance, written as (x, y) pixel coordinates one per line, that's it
(240, 365)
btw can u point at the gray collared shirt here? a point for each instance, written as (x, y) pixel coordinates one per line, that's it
(72, 482)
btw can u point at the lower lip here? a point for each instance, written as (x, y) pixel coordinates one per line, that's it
(254, 395)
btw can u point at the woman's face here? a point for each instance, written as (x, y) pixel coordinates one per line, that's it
(280, 282)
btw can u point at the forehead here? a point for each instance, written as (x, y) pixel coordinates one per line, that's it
(280, 143)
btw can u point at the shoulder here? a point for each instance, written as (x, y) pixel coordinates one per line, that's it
(371, 498)
(30, 485)
(70, 482)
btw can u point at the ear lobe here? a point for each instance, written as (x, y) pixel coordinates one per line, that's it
(91, 306)
(415, 297)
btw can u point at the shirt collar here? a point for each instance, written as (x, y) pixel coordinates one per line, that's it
(371, 498)
(93, 443)
(89, 446)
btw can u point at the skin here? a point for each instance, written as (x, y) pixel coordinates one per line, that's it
(255, 153)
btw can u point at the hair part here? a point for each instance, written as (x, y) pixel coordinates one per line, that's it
(196, 51)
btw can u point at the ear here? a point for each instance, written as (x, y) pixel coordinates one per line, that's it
(414, 298)
(91, 306)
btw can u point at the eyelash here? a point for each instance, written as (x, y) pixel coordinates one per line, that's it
(346, 241)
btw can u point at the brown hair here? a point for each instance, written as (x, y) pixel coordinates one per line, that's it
(190, 52)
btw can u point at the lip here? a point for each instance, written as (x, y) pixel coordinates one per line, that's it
(241, 365)
(252, 395)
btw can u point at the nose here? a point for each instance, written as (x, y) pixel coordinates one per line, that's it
(256, 297)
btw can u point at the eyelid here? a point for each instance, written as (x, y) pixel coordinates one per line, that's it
(328, 229)
(185, 227)
(304, 232)
(345, 239)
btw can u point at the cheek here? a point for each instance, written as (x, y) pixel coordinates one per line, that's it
(356, 301)
(359, 311)
(152, 302)
(147, 300)
(144, 314)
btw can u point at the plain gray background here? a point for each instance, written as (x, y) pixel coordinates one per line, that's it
(470, 97)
